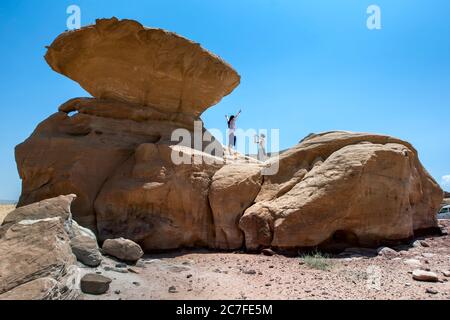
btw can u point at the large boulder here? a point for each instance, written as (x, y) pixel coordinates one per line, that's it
(39, 289)
(93, 283)
(86, 250)
(49, 208)
(123, 249)
(115, 152)
(365, 189)
(32, 249)
(123, 60)
(36, 243)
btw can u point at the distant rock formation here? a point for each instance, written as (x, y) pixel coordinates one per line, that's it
(114, 152)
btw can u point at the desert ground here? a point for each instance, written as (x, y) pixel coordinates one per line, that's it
(5, 209)
(354, 274)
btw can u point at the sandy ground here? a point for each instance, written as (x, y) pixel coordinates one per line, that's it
(4, 210)
(208, 275)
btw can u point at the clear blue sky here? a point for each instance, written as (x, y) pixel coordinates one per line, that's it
(306, 66)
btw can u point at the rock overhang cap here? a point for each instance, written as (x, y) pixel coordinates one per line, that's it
(123, 60)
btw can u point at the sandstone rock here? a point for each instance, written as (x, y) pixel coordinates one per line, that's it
(421, 275)
(39, 289)
(122, 60)
(93, 283)
(122, 249)
(424, 244)
(387, 253)
(32, 249)
(370, 188)
(49, 208)
(115, 152)
(233, 189)
(417, 244)
(161, 205)
(54, 160)
(431, 291)
(86, 250)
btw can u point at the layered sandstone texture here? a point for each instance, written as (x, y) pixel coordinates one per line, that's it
(116, 153)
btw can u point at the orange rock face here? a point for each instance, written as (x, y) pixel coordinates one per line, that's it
(122, 60)
(114, 152)
(367, 189)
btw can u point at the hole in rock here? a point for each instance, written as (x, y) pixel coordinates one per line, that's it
(72, 113)
(340, 240)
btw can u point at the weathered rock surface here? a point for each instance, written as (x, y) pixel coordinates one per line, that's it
(387, 253)
(427, 276)
(233, 189)
(32, 249)
(86, 250)
(122, 249)
(156, 203)
(35, 245)
(39, 289)
(93, 283)
(122, 60)
(369, 188)
(49, 208)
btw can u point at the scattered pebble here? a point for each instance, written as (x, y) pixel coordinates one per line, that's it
(251, 271)
(431, 291)
(133, 270)
(424, 243)
(268, 252)
(121, 265)
(172, 289)
(422, 275)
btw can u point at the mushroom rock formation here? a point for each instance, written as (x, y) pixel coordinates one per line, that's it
(368, 189)
(146, 83)
(114, 151)
(122, 60)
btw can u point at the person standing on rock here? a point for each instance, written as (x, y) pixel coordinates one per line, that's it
(231, 121)
(261, 142)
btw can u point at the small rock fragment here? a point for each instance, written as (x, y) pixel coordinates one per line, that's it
(92, 283)
(268, 252)
(172, 289)
(421, 275)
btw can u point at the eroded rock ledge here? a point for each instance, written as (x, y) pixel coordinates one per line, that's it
(123, 60)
